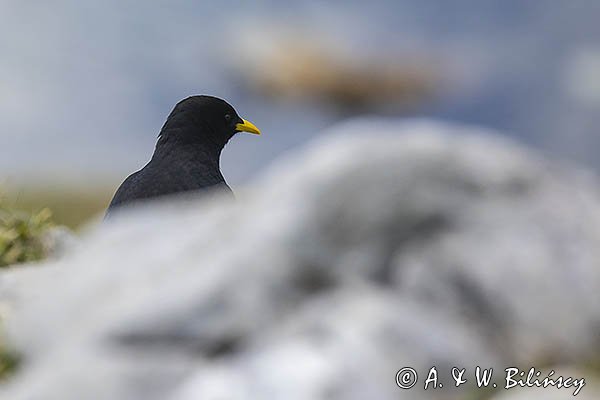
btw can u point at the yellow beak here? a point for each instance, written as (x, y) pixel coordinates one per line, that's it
(247, 126)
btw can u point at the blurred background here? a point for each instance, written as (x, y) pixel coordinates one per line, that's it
(86, 86)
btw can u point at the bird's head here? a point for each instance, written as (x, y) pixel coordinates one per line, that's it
(205, 119)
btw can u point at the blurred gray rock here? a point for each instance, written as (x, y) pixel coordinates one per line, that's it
(382, 246)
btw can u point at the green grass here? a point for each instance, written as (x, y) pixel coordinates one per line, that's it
(22, 236)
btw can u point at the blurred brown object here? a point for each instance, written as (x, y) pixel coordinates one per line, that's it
(297, 68)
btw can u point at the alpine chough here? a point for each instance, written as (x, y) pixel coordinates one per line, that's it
(186, 157)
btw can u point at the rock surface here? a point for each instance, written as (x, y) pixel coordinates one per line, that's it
(383, 246)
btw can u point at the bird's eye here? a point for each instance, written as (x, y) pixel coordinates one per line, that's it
(227, 117)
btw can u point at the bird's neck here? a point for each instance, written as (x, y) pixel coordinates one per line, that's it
(178, 150)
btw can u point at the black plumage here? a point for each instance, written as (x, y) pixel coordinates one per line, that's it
(187, 153)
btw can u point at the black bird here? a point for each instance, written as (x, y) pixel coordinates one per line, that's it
(186, 157)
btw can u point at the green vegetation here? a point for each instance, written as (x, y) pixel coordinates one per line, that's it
(9, 361)
(28, 212)
(22, 236)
